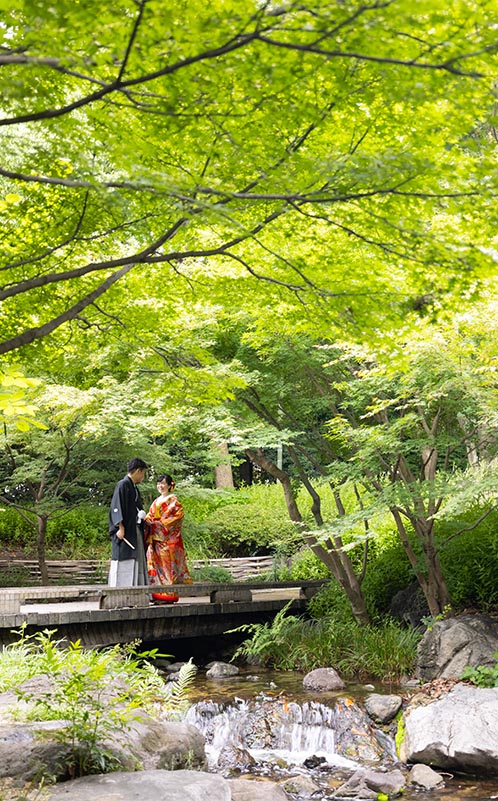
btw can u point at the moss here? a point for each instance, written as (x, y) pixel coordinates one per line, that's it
(400, 733)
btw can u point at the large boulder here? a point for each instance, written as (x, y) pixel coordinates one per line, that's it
(161, 785)
(409, 605)
(451, 645)
(383, 708)
(255, 790)
(367, 783)
(28, 748)
(458, 732)
(145, 743)
(323, 679)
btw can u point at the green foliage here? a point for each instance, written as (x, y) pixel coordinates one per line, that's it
(330, 602)
(384, 652)
(96, 693)
(305, 565)
(257, 522)
(429, 620)
(80, 533)
(231, 136)
(177, 697)
(15, 531)
(470, 560)
(213, 573)
(388, 572)
(16, 576)
(15, 405)
(482, 675)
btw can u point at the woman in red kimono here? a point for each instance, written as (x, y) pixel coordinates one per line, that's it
(166, 563)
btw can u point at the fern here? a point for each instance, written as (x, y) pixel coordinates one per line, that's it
(176, 701)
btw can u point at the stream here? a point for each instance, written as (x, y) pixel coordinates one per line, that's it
(262, 723)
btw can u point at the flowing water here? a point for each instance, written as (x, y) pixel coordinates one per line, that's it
(262, 723)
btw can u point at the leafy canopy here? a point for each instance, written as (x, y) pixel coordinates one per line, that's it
(336, 151)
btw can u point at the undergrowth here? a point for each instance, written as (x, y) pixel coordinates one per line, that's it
(386, 652)
(98, 694)
(482, 675)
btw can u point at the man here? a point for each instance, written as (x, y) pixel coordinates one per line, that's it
(128, 563)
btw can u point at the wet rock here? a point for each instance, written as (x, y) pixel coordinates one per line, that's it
(452, 645)
(311, 727)
(27, 749)
(300, 786)
(423, 776)
(233, 758)
(174, 667)
(161, 785)
(220, 670)
(456, 732)
(409, 605)
(162, 663)
(411, 683)
(355, 736)
(369, 783)
(323, 679)
(254, 790)
(383, 708)
(313, 762)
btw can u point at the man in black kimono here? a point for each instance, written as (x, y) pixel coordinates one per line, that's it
(128, 563)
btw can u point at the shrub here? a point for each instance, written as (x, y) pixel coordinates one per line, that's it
(213, 574)
(305, 565)
(16, 576)
(256, 523)
(388, 572)
(470, 560)
(330, 602)
(79, 533)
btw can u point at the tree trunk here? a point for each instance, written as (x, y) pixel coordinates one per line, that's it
(437, 593)
(429, 574)
(258, 457)
(332, 559)
(41, 533)
(346, 578)
(223, 471)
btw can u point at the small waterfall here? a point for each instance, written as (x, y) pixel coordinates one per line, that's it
(269, 729)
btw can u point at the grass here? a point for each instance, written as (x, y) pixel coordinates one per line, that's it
(385, 652)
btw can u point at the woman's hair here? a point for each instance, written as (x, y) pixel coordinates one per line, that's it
(165, 477)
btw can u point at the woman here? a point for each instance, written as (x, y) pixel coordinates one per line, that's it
(166, 561)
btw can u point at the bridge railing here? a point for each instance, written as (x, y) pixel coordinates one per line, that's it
(93, 571)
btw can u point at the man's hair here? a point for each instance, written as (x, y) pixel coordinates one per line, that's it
(137, 464)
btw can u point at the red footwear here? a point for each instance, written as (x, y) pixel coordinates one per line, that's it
(164, 598)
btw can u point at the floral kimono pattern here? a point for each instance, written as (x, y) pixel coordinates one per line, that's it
(166, 562)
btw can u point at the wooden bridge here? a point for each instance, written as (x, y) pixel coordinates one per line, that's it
(99, 615)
